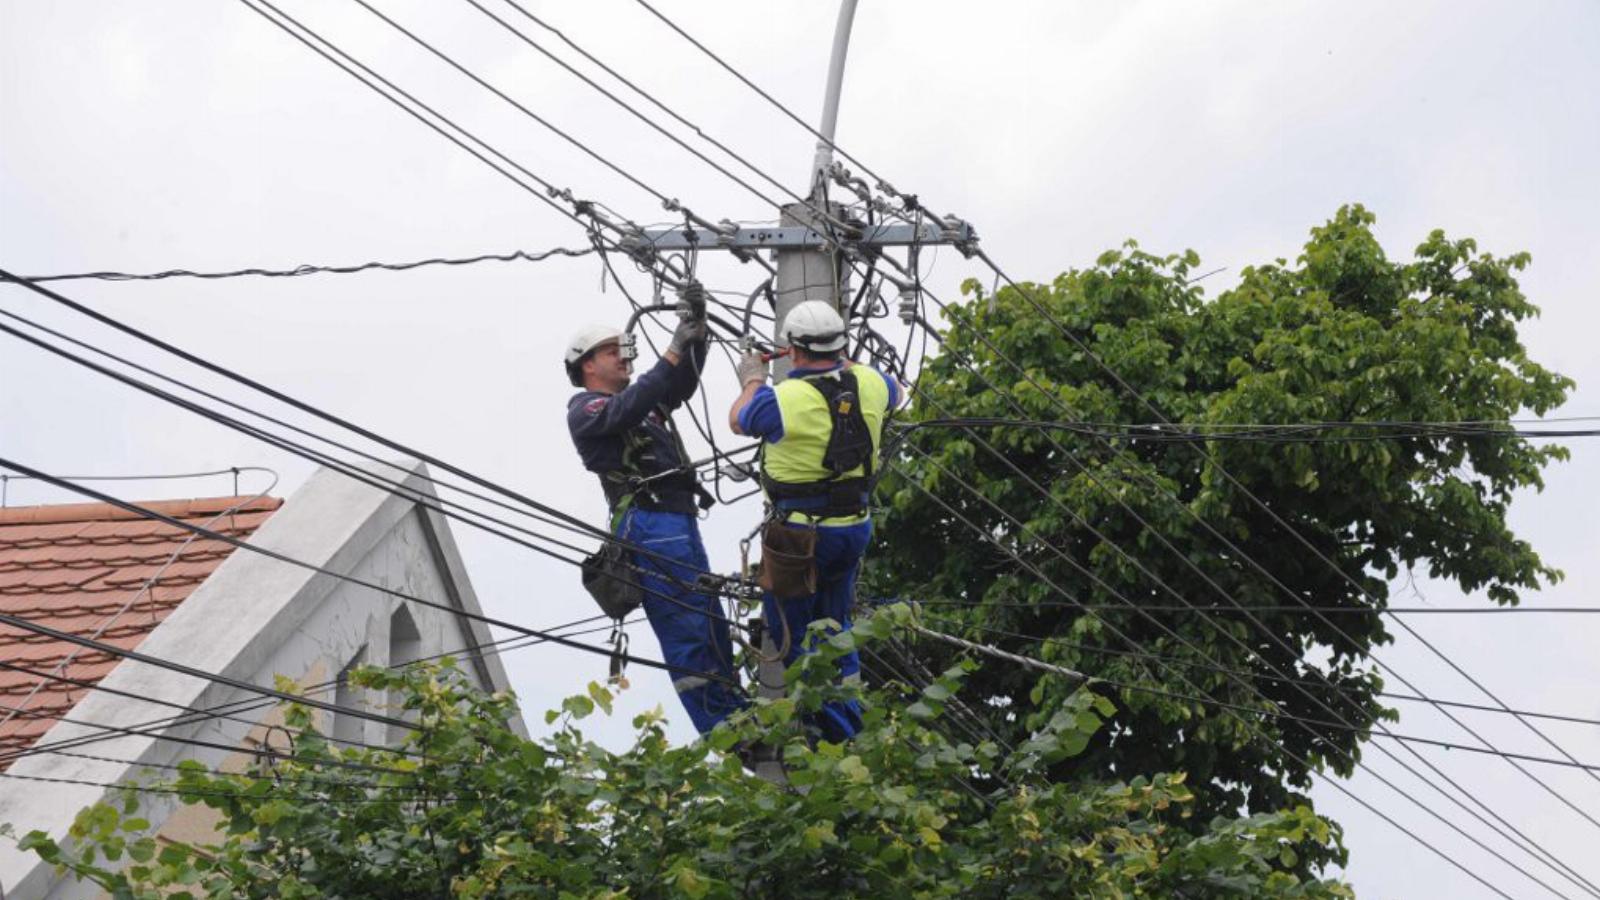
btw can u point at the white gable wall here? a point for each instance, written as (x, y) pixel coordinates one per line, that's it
(256, 618)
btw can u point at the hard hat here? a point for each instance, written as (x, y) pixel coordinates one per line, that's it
(814, 325)
(582, 344)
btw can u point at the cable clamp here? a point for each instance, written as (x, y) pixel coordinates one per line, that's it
(628, 346)
(908, 304)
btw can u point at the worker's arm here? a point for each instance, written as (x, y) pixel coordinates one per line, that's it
(686, 372)
(599, 415)
(753, 369)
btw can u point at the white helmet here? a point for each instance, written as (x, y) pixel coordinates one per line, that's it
(582, 344)
(815, 326)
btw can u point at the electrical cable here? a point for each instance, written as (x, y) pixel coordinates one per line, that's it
(1184, 559)
(1226, 634)
(1336, 610)
(666, 201)
(192, 716)
(369, 478)
(1196, 664)
(149, 584)
(311, 567)
(345, 424)
(1250, 560)
(301, 270)
(1091, 680)
(754, 87)
(1264, 737)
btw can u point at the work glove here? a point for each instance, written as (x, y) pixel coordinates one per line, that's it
(688, 333)
(692, 302)
(752, 367)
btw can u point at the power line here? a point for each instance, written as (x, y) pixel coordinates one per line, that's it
(311, 567)
(1173, 660)
(1177, 596)
(1309, 433)
(1279, 520)
(565, 519)
(1182, 557)
(391, 486)
(371, 80)
(199, 792)
(1336, 610)
(1031, 482)
(302, 270)
(224, 710)
(1261, 735)
(1091, 680)
(823, 214)
(757, 88)
(666, 201)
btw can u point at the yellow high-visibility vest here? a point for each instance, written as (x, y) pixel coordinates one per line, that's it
(807, 425)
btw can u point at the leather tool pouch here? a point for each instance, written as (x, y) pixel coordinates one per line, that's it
(788, 561)
(612, 583)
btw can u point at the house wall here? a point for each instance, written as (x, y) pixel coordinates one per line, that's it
(254, 619)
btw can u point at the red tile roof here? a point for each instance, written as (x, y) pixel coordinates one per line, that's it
(84, 568)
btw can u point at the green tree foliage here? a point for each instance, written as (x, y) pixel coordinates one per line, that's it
(470, 809)
(1343, 334)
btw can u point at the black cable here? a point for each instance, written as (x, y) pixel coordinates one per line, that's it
(1182, 557)
(311, 567)
(1228, 634)
(1264, 737)
(197, 792)
(1279, 714)
(281, 397)
(1223, 632)
(298, 271)
(206, 714)
(754, 87)
(369, 478)
(260, 752)
(585, 148)
(1289, 529)
(1337, 610)
(1285, 434)
(1210, 667)
(643, 118)
(549, 188)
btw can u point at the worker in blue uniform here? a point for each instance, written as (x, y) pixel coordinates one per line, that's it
(624, 433)
(820, 430)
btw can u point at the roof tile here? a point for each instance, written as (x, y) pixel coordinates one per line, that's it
(86, 568)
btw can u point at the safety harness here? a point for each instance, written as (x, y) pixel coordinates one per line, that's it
(849, 448)
(667, 490)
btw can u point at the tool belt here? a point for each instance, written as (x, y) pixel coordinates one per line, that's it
(611, 580)
(788, 560)
(820, 499)
(679, 492)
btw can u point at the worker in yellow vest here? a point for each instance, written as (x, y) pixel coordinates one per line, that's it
(820, 431)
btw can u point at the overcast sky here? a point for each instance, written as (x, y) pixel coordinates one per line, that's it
(141, 137)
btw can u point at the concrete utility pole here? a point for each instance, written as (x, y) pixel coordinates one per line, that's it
(806, 275)
(810, 274)
(810, 249)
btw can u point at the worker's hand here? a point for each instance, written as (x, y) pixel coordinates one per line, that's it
(752, 368)
(688, 333)
(692, 302)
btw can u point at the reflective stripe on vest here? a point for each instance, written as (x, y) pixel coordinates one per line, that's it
(807, 423)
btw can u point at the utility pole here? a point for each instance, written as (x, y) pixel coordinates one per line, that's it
(805, 275)
(811, 274)
(813, 254)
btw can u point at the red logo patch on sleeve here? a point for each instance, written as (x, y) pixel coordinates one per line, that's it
(594, 406)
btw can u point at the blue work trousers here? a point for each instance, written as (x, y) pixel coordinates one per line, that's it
(691, 627)
(839, 552)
